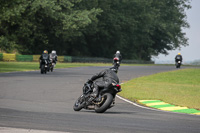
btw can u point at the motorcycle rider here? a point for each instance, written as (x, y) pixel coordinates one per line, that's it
(44, 56)
(178, 58)
(107, 78)
(116, 63)
(53, 56)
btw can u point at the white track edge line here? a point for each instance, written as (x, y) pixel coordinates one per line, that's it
(128, 101)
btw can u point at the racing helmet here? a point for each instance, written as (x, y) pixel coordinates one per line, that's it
(53, 52)
(117, 52)
(45, 52)
(179, 53)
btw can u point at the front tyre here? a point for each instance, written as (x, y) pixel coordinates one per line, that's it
(107, 101)
(79, 104)
(45, 70)
(42, 69)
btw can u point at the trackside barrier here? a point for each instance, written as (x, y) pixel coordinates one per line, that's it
(67, 58)
(14, 57)
(61, 58)
(89, 59)
(137, 62)
(9, 57)
(106, 60)
(24, 58)
(1, 56)
(36, 58)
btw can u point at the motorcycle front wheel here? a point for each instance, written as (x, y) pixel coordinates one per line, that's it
(178, 65)
(79, 104)
(107, 100)
(42, 69)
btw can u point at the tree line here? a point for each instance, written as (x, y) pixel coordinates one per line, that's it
(140, 29)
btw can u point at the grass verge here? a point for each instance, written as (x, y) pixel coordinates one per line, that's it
(28, 66)
(180, 87)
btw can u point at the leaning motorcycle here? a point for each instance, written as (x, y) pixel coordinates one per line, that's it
(44, 66)
(178, 64)
(104, 101)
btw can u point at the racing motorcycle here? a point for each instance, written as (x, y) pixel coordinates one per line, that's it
(104, 101)
(116, 62)
(44, 66)
(178, 64)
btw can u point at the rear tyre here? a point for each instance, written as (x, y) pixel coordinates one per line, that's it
(52, 69)
(107, 101)
(79, 104)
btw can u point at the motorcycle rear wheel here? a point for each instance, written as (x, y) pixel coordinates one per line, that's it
(108, 99)
(51, 68)
(79, 104)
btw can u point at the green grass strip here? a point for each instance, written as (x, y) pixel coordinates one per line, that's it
(188, 111)
(28, 66)
(178, 87)
(150, 101)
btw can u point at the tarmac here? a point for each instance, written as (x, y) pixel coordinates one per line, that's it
(19, 130)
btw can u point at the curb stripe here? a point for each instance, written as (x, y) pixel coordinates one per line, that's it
(189, 111)
(173, 108)
(168, 107)
(149, 101)
(161, 106)
(197, 113)
(154, 109)
(159, 103)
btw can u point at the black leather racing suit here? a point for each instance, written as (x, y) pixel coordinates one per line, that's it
(178, 58)
(44, 57)
(108, 77)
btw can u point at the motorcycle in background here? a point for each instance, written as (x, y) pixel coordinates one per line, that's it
(104, 101)
(116, 62)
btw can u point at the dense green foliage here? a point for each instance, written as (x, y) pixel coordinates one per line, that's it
(138, 28)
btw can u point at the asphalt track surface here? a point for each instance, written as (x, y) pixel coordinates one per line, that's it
(31, 100)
